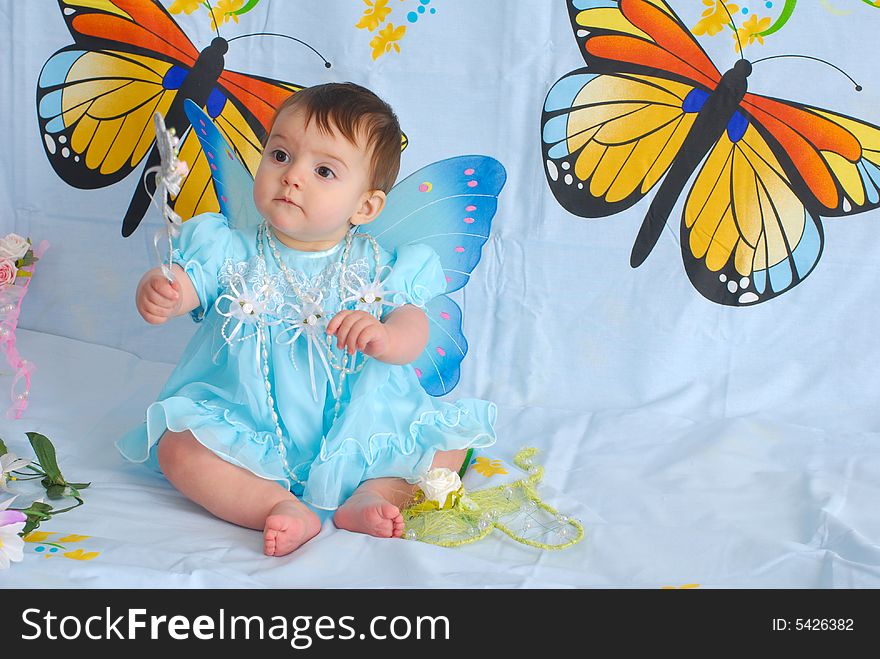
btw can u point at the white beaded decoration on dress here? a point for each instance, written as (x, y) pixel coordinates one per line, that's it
(305, 318)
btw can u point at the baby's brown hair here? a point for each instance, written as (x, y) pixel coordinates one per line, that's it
(350, 108)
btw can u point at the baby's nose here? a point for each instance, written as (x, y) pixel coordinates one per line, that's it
(292, 177)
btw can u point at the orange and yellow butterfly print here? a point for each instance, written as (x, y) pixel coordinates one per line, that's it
(96, 100)
(650, 109)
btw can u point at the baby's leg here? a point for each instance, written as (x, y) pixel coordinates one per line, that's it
(374, 508)
(235, 494)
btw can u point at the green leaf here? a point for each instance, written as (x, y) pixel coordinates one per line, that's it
(56, 491)
(45, 452)
(3, 450)
(79, 486)
(29, 526)
(39, 506)
(36, 513)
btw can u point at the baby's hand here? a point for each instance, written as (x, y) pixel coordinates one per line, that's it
(157, 299)
(358, 330)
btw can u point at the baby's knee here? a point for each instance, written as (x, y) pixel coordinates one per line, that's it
(174, 449)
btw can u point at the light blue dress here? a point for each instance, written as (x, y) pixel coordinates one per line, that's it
(386, 425)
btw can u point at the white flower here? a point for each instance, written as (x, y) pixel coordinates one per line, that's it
(7, 271)
(438, 484)
(9, 462)
(370, 297)
(13, 247)
(245, 307)
(11, 544)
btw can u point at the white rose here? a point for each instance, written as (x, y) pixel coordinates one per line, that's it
(13, 247)
(438, 483)
(7, 272)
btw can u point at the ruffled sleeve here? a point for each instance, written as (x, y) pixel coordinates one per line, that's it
(200, 249)
(416, 275)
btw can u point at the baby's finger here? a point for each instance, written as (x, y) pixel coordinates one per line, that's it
(336, 321)
(342, 335)
(154, 309)
(344, 328)
(164, 288)
(366, 335)
(354, 334)
(154, 320)
(160, 300)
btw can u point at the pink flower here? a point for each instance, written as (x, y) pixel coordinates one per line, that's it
(7, 272)
(11, 545)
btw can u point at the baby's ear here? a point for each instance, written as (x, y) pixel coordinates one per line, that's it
(372, 204)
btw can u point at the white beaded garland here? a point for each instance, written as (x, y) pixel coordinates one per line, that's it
(317, 312)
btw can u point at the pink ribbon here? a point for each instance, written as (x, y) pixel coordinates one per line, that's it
(10, 308)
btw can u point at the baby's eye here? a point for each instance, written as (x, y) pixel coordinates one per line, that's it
(279, 156)
(325, 172)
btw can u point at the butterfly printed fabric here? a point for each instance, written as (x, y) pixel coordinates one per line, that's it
(650, 109)
(448, 205)
(96, 100)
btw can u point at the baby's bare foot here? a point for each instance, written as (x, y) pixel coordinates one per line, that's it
(289, 525)
(370, 513)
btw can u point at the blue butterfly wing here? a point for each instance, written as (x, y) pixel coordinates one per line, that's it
(439, 366)
(233, 183)
(448, 205)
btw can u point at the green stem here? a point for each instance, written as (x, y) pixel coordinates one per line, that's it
(64, 510)
(872, 3)
(787, 11)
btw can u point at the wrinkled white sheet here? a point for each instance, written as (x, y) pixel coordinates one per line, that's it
(666, 500)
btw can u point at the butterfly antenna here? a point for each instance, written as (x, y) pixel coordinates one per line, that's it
(735, 31)
(275, 34)
(211, 9)
(817, 59)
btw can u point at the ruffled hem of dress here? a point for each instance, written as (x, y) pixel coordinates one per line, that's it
(326, 473)
(262, 459)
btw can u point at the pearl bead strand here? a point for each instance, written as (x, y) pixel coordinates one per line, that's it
(263, 335)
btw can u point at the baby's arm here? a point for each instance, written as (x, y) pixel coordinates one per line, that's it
(398, 340)
(157, 299)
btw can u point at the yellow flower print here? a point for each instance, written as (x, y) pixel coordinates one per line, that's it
(54, 548)
(185, 6)
(80, 555)
(715, 17)
(386, 40)
(488, 467)
(73, 537)
(375, 13)
(751, 31)
(225, 10)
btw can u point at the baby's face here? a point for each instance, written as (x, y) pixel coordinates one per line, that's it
(310, 184)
